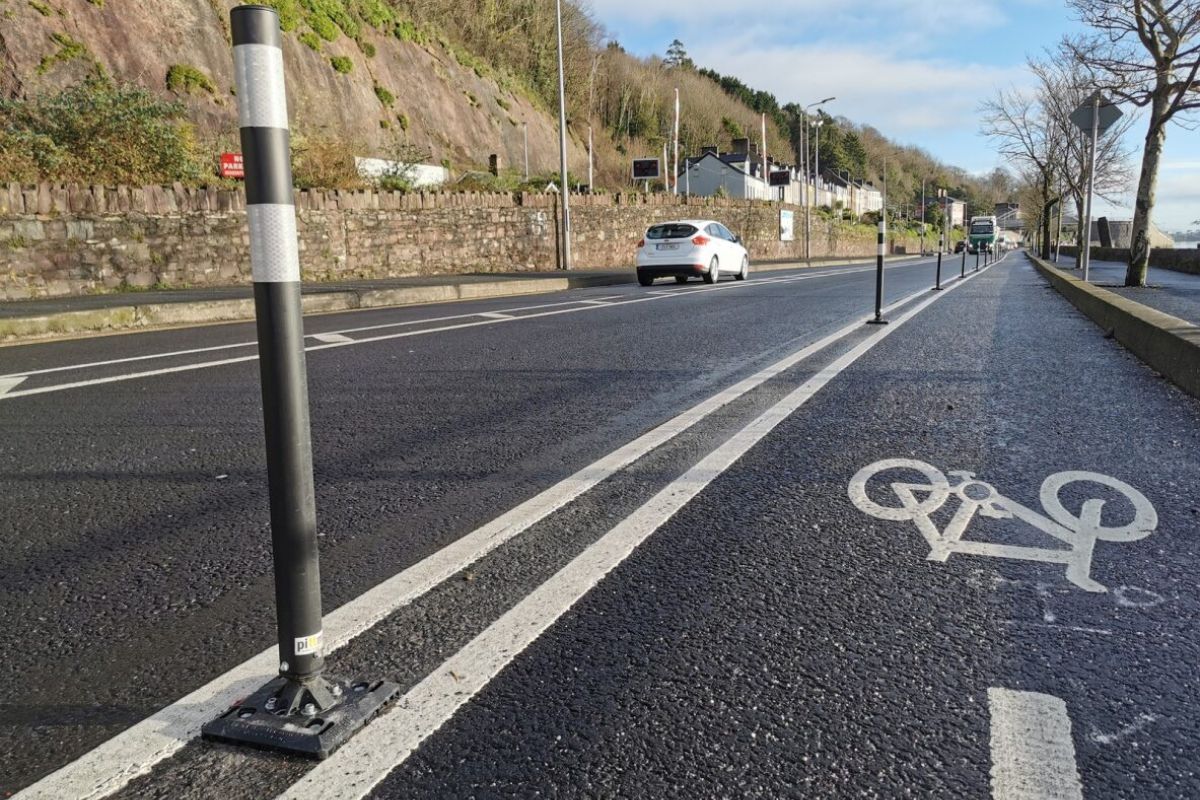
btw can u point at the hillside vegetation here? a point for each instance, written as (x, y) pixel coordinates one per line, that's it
(452, 80)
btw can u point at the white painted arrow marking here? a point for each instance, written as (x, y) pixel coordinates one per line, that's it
(8, 384)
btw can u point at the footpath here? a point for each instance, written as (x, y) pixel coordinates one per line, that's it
(56, 317)
(1159, 323)
(1174, 293)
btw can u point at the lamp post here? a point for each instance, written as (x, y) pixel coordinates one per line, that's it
(817, 150)
(562, 143)
(807, 199)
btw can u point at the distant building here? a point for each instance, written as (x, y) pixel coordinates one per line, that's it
(739, 174)
(730, 174)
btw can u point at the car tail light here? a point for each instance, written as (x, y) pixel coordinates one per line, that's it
(700, 241)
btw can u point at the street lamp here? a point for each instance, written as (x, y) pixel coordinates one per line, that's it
(807, 199)
(562, 142)
(817, 149)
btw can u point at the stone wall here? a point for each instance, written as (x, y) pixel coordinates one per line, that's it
(1176, 260)
(65, 240)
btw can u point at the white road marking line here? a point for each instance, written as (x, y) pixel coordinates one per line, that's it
(8, 384)
(368, 340)
(331, 338)
(110, 362)
(134, 752)
(494, 315)
(1033, 757)
(175, 353)
(599, 301)
(365, 761)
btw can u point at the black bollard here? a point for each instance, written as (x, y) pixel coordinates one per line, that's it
(879, 320)
(941, 245)
(282, 715)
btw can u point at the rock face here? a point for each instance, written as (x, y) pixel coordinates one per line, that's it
(447, 107)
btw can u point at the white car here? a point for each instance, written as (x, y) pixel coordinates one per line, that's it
(688, 248)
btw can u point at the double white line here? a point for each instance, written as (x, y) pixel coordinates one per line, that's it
(358, 766)
(336, 339)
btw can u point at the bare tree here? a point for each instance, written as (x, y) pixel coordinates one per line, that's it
(1145, 52)
(1063, 85)
(1032, 142)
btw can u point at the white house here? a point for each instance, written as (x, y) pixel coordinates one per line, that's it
(733, 174)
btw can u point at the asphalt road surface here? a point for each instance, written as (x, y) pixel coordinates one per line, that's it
(685, 541)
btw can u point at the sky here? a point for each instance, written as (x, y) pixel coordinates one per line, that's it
(915, 69)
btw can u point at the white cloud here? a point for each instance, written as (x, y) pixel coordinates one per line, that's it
(901, 95)
(807, 15)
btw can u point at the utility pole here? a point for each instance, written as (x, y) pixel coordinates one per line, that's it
(1091, 188)
(817, 150)
(527, 152)
(675, 171)
(922, 216)
(808, 199)
(562, 143)
(591, 165)
(765, 176)
(1061, 208)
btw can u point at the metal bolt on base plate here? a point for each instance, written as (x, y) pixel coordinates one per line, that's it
(311, 720)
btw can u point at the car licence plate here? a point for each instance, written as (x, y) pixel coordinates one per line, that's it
(666, 247)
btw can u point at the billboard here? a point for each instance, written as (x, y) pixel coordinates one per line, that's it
(646, 169)
(787, 226)
(781, 177)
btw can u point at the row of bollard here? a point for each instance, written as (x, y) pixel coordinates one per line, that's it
(303, 710)
(987, 255)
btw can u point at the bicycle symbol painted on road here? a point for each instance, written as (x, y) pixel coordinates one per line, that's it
(919, 501)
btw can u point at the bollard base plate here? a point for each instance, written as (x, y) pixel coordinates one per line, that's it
(251, 723)
(877, 322)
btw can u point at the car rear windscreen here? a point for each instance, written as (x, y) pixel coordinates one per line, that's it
(671, 231)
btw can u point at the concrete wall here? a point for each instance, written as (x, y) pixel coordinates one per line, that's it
(1168, 344)
(68, 240)
(1172, 259)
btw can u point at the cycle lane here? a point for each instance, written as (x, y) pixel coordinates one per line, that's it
(773, 639)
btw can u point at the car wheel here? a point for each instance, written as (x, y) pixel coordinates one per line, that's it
(741, 276)
(681, 279)
(645, 280)
(714, 271)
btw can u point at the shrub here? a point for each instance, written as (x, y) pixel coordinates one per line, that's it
(407, 31)
(342, 64)
(403, 120)
(385, 97)
(41, 8)
(500, 101)
(367, 48)
(311, 40)
(185, 78)
(289, 12)
(324, 161)
(68, 50)
(326, 28)
(375, 13)
(97, 133)
(336, 11)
